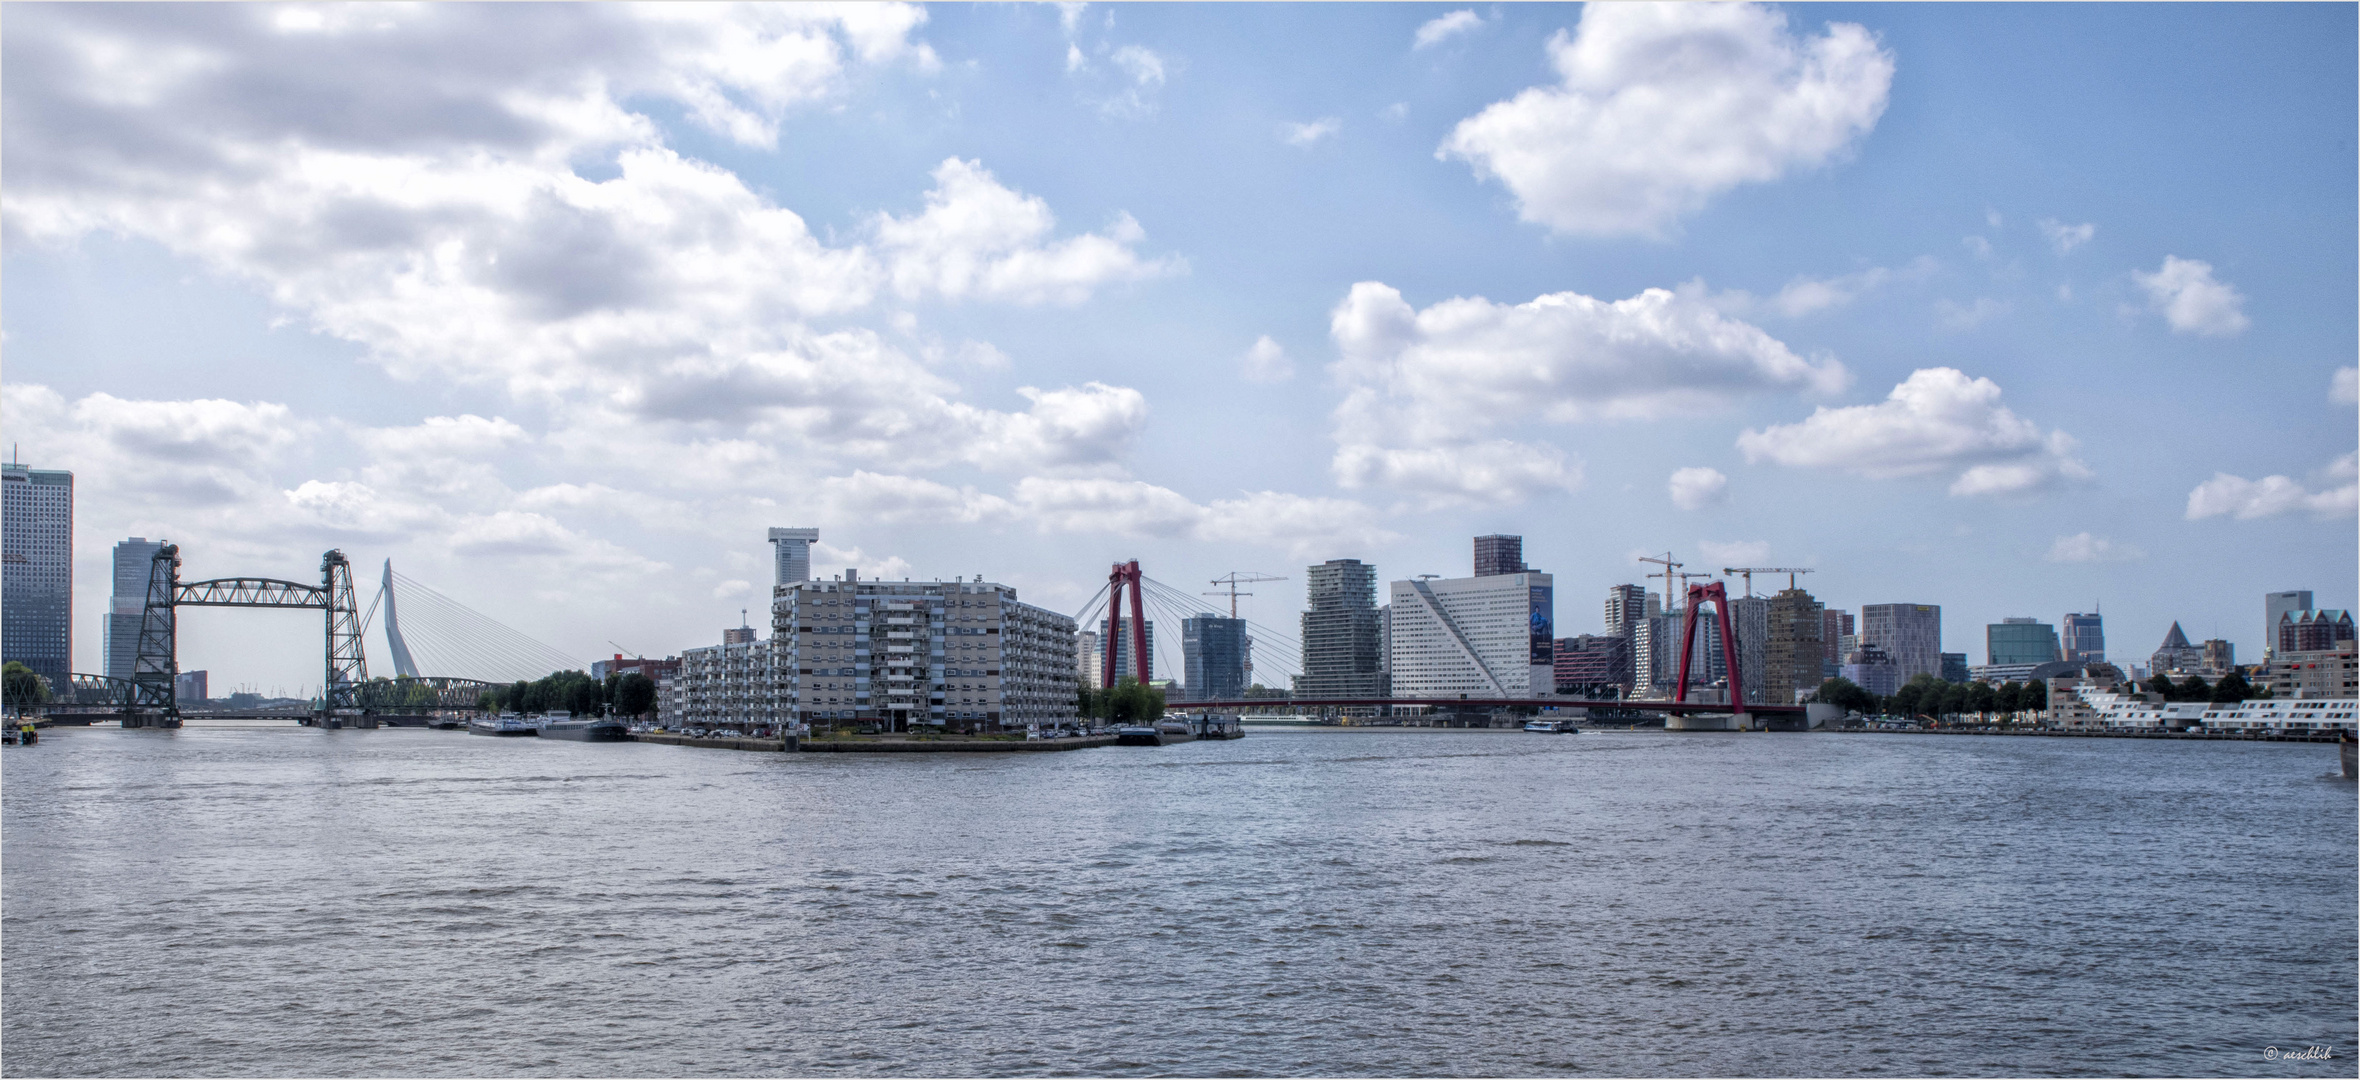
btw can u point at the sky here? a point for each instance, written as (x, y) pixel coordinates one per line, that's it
(2014, 309)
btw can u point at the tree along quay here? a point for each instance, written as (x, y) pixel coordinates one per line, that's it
(2210, 736)
(875, 745)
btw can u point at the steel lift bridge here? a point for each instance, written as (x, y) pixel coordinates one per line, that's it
(149, 698)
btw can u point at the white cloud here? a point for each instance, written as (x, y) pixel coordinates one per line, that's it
(1441, 28)
(1266, 362)
(2086, 548)
(2064, 238)
(1803, 295)
(1307, 134)
(1429, 392)
(1663, 106)
(1957, 316)
(1980, 246)
(977, 237)
(1937, 421)
(2191, 300)
(1491, 471)
(1144, 72)
(1302, 525)
(1395, 113)
(2343, 388)
(2336, 493)
(1697, 487)
(1074, 60)
(865, 496)
(1734, 553)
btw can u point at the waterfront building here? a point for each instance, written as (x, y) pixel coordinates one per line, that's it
(37, 583)
(791, 554)
(2321, 673)
(190, 688)
(1627, 608)
(1794, 657)
(2114, 708)
(2176, 654)
(1475, 636)
(1588, 661)
(2085, 637)
(1909, 633)
(1341, 632)
(732, 685)
(1872, 669)
(655, 670)
(2275, 607)
(1496, 555)
(2021, 641)
(1085, 649)
(134, 558)
(1213, 654)
(1120, 639)
(2002, 674)
(910, 655)
(1954, 667)
(2069, 693)
(2311, 631)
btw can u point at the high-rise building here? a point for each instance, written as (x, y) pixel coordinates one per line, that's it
(2220, 657)
(792, 553)
(2016, 640)
(1497, 554)
(1794, 656)
(1954, 667)
(1085, 648)
(1664, 633)
(133, 559)
(1341, 632)
(1587, 663)
(1124, 666)
(1835, 625)
(1485, 636)
(189, 688)
(1909, 633)
(1213, 652)
(2085, 637)
(2312, 631)
(37, 584)
(2275, 606)
(1749, 620)
(1626, 611)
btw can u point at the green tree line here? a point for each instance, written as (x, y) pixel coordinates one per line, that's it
(627, 694)
(1126, 702)
(1932, 696)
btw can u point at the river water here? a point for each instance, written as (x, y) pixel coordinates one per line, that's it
(277, 900)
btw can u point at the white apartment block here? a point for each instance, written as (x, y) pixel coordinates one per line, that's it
(1480, 637)
(723, 686)
(2113, 710)
(903, 655)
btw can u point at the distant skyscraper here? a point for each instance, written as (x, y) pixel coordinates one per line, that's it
(793, 554)
(1835, 625)
(1341, 632)
(1909, 633)
(1954, 667)
(2175, 654)
(2020, 641)
(1795, 656)
(189, 688)
(1750, 621)
(1213, 649)
(1092, 661)
(2276, 606)
(2085, 637)
(1626, 607)
(1123, 664)
(133, 559)
(2312, 631)
(1590, 661)
(37, 584)
(1497, 554)
(1872, 670)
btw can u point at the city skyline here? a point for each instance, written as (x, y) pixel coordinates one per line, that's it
(1021, 291)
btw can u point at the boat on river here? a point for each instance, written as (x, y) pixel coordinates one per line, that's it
(505, 724)
(586, 729)
(1160, 733)
(1553, 727)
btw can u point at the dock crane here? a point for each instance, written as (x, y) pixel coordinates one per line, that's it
(1748, 572)
(1234, 579)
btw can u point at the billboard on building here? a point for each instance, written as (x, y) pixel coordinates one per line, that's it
(1544, 625)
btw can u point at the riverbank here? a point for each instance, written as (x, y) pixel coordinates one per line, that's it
(2101, 733)
(873, 744)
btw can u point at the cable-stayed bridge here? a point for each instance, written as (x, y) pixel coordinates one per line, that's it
(445, 654)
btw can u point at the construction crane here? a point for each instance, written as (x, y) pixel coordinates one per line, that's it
(1235, 579)
(1748, 572)
(1670, 568)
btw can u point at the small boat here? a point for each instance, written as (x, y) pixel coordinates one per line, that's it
(505, 724)
(1553, 727)
(1160, 733)
(587, 729)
